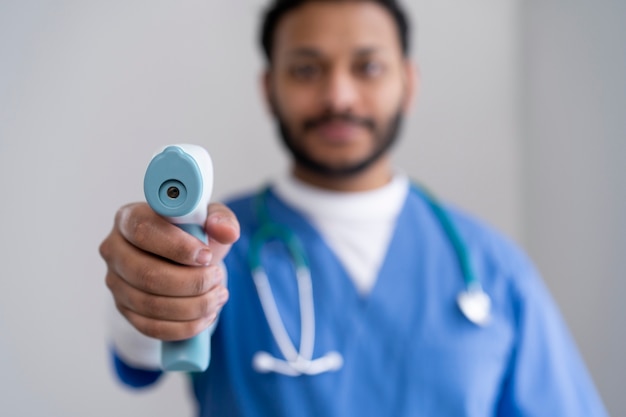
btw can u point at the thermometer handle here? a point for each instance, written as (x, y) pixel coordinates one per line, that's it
(190, 355)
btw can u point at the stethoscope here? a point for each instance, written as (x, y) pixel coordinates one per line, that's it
(473, 302)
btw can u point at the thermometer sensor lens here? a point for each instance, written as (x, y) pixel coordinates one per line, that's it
(173, 193)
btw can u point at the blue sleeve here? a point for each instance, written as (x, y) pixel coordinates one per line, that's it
(133, 377)
(546, 376)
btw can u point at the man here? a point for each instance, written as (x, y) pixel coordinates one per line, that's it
(389, 338)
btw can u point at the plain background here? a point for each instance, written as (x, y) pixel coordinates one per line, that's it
(520, 120)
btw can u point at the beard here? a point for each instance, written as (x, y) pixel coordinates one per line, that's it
(384, 137)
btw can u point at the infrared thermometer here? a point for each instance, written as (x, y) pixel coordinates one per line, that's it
(178, 185)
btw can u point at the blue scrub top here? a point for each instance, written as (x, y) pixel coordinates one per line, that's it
(407, 349)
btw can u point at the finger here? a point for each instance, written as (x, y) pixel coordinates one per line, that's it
(222, 228)
(166, 330)
(154, 275)
(145, 229)
(221, 224)
(167, 308)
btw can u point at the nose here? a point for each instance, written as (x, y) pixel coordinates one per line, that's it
(340, 91)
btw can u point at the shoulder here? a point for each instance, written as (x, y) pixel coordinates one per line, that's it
(487, 242)
(517, 291)
(496, 259)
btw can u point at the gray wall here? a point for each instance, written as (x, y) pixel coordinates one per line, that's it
(575, 172)
(88, 90)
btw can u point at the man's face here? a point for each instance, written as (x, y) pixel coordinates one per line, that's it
(338, 84)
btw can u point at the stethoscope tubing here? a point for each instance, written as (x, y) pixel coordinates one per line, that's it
(473, 302)
(277, 327)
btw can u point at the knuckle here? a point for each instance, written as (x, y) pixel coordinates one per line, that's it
(119, 217)
(181, 253)
(205, 307)
(199, 286)
(158, 329)
(169, 331)
(218, 274)
(211, 319)
(109, 280)
(152, 328)
(121, 214)
(201, 282)
(192, 328)
(134, 320)
(148, 279)
(134, 223)
(124, 313)
(140, 231)
(155, 330)
(226, 295)
(153, 307)
(105, 250)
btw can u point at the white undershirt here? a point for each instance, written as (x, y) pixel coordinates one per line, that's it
(357, 227)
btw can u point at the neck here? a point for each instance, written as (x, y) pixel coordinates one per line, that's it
(375, 176)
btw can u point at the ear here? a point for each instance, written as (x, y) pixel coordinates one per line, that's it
(412, 77)
(266, 88)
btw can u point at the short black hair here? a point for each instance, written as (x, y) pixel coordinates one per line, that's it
(278, 8)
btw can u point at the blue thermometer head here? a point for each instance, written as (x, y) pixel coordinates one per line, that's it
(173, 183)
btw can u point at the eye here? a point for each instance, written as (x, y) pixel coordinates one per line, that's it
(305, 72)
(370, 69)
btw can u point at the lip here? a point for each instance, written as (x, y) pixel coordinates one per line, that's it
(339, 131)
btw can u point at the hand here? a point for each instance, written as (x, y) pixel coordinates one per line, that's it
(168, 284)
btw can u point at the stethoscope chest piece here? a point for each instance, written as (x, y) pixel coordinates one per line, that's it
(475, 304)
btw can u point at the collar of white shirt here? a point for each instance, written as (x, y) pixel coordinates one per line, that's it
(357, 226)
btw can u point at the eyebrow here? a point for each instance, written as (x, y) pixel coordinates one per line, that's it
(311, 52)
(305, 52)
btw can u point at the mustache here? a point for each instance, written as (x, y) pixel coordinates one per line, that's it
(339, 117)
